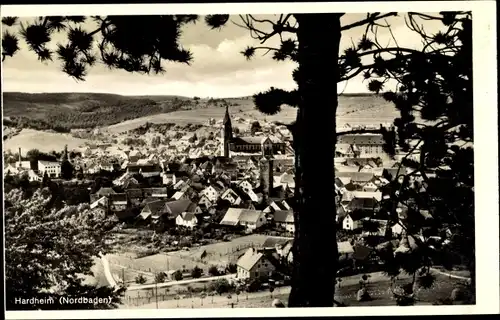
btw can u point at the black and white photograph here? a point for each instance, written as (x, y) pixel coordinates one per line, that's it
(242, 156)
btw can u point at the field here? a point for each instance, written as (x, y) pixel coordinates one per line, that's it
(219, 254)
(44, 141)
(352, 109)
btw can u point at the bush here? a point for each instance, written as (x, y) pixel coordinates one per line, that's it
(213, 271)
(140, 279)
(221, 286)
(160, 277)
(231, 268)
(177, 275)
(196, 272)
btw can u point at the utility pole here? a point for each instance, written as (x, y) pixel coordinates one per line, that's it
(156, 294)
(123, 276)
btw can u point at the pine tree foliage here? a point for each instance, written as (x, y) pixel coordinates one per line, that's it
(49, 252)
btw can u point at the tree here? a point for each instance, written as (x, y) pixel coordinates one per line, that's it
(213, 271)
(196, 272)
(231, 268)
(140, 279)
(160, 277)
(255, 127)
(131, 43)
(60, 265)
(177, 275)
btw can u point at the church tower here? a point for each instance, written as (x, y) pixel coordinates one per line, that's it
(226, 134)
(266, 169)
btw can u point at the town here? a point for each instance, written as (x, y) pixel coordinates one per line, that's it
(217, 207)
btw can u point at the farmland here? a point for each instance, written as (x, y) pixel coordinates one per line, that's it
(352, 109)
(44, 141)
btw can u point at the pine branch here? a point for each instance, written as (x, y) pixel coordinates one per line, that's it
(359, 131)
(369, 20)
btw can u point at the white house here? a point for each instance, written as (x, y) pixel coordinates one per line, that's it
(245, 185)
(180, 195)
(186, 219)
(168, 178)
(253, 265)
(205, 202)
(251, 219)
(212, 192)
(52, 168)
(351, 222)
(34, 177)
(231, 196)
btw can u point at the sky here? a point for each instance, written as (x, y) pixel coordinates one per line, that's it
(218, 69)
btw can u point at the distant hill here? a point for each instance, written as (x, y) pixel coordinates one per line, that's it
(64, 111)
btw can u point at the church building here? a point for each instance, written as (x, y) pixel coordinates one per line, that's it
(247, 144)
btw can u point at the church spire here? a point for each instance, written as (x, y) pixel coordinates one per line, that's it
(227, 118)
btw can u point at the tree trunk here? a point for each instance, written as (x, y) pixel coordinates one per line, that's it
(315, 247)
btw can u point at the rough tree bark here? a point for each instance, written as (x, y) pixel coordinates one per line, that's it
(315, 247)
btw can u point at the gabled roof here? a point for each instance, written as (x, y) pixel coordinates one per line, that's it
(355, 176)
(272, 242)
(345, 247)
(134, 193)
(177, 207)
(105, 191)
(362, 204)
(156, 208)
(118, 197)
(249, 259)
(187, 216)
(284, 216)
(361, 139)
(361, 252)
(235, 215)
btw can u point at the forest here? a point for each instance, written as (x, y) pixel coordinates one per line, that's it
(55, 112)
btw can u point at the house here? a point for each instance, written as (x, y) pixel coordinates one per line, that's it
(34, 177)
(118, 201)
(250, 219)
(135, 196)
(345, 249)
(367, 145)
(150, 170)
(231, 196)
(212, 192)
(154, 210)
(101, 204)
(276, 206)
(12, 170)
(253, 265)
(181, 195)
(105, 192)
(134, 156)
(155, 192)
(379, 227)
(284, 219)
(186, 219)
(284, 251)
(51, 168)
(363, 204)
(353, 220)
(180, 184)
(205, 202)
